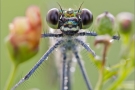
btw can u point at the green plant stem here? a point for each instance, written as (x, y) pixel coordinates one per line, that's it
(100, 80)
(101, 70)
(11, 77)
(121, 78)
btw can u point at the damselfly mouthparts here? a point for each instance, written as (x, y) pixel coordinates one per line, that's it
(69, 23)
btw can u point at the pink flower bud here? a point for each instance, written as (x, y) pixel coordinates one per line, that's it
(125, 22)
(24, 37)
(33, 14)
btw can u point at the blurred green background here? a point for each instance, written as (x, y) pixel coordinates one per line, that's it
(12, 8)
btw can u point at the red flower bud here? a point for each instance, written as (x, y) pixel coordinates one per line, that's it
(24, 37)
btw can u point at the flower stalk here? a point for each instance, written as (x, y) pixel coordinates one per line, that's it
(11, 77)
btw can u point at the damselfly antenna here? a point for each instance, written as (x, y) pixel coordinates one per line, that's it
(60, 7)
(80, 6)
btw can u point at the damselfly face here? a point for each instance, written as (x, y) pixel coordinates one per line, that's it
(69, 21)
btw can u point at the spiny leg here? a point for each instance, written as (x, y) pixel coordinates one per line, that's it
(43, 58)
(87, 34)
(85, 46)
(83, 71)
(51, 35)
(95, 34)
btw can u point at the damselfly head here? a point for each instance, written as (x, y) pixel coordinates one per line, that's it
(69, 21)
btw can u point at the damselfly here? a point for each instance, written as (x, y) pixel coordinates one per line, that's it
(69, 24)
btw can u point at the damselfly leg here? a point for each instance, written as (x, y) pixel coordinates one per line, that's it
(42, 59)
(83, 71)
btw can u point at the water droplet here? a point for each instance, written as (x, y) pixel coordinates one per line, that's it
(97, 57)
(46, 58)
(66, 77)
(66, 81)
(74, 60)
(65, 88)
(72, 69)
(56, 50)
(111, 40)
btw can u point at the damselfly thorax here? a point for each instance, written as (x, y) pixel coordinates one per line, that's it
(67, 48)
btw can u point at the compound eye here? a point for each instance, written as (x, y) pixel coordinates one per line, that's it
(87, 18)
(52, 18)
